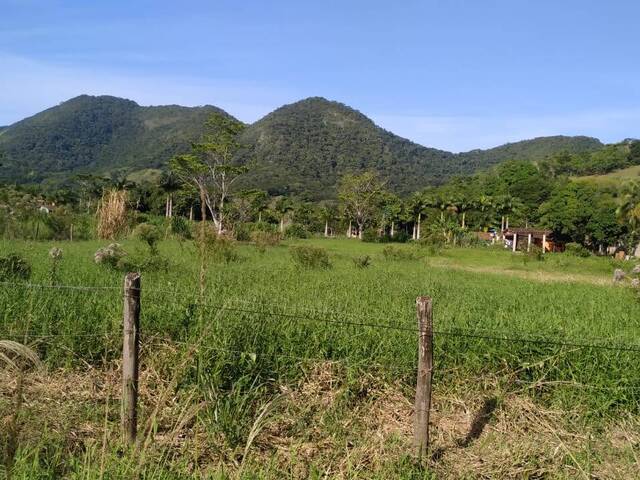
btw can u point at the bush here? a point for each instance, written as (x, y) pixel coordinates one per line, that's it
(295, 230)
(399, 253)
(576, 250)
(112, 256)
(470, 239)
(400, 237)
(432, 239)
(244, 231)
(181, 228)
(370, 235)
(219, 248)
(310, 257)
(150, 234)
(264, 239)
(14, 267)
(363, 261)
(535, 254)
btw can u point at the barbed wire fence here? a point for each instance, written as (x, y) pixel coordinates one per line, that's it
(424, 331)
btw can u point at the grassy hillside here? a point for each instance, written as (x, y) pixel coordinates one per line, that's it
(614, 178)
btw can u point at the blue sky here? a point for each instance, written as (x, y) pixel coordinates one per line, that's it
(450, 74)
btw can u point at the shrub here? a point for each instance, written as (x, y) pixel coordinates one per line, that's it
(150, 234)
(363, 261)
(432, 239)
(310, 257)
(370, 235)
(576, 250)
(56, 257)
(470, 239)
(295, 230)
(180, 227)
(400, 237)
(398, 253)
(264, 239)
(242, 232)
(84, 227)
(149, 264)
(219, 248)
(110, 256)
(534, 254)
(14, 267)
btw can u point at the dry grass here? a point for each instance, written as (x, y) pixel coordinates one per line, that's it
(112, 214)
(343, 428)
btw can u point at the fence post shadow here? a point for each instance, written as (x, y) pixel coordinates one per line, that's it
(481, 419)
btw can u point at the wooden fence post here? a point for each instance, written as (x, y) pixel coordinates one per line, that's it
(130, 352)
(425, 372)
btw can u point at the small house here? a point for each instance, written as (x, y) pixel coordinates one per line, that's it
(525, 238)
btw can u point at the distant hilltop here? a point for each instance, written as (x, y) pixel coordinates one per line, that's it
(302, 147)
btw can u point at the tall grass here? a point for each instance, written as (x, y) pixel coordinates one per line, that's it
(262, 317)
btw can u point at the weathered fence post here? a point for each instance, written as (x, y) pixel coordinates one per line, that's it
(425, 371)
(130, 352)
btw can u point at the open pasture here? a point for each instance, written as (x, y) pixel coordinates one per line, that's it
(543, 336)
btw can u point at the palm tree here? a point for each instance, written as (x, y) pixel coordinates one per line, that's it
(283, 206)
(169, 184)
(391, 210)
(506, 205)
(485, 205)
(629, 211)
(417, 205)
(463, 205)
(328, 213)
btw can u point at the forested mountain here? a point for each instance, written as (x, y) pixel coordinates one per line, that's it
(534, 149)
(308, 145)
(97, 134)
(302, 148)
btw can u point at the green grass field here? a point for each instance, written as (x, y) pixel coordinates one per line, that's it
(616, 177)
(345, 335)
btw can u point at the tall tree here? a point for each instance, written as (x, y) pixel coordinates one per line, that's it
(629, 212)
(169, 185)
(328, 213)
(283, 205)
(210, 167)
(360, 195)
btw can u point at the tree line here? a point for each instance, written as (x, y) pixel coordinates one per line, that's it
(202, 184)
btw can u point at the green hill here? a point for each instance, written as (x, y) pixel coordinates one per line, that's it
(302, 148)
(308, 145)
(98, 135)
(533, 150)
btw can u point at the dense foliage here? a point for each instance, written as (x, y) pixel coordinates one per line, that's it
(301, 149)
(97, 135)
(373, 184)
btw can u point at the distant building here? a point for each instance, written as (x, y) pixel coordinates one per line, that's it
(541, 238)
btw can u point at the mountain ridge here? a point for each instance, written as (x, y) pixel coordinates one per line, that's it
(299, 148)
